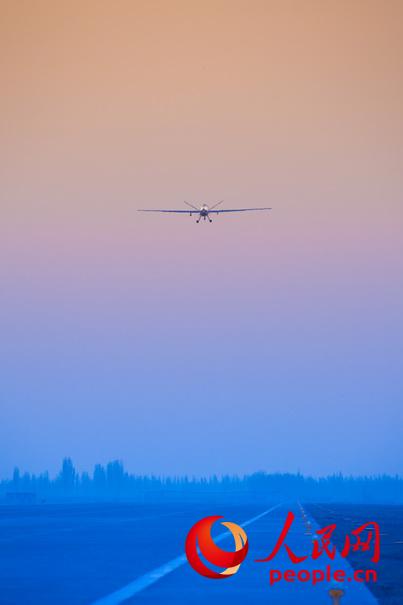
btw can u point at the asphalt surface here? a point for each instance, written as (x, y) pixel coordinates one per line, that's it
(134, 554)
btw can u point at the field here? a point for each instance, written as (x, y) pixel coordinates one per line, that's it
(78, 554)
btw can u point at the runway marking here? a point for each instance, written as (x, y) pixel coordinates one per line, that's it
(143, 582)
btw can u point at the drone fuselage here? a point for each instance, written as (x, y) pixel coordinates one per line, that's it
(204, 213)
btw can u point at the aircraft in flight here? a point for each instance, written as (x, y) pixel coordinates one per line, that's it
(204, 211)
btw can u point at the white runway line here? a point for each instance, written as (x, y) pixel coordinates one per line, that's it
(143, 582)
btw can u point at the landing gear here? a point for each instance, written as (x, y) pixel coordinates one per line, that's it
(204, 217)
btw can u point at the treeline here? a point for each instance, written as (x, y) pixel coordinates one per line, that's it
(113, 482)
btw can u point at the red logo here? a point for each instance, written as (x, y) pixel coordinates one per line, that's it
(199, 544)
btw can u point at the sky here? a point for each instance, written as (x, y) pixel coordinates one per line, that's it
(260, 342)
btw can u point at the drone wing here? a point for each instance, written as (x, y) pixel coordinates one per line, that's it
(175, 211)
(238, 210)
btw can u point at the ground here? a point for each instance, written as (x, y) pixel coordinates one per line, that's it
(81, 554)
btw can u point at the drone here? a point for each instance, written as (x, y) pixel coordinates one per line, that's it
(203, 211)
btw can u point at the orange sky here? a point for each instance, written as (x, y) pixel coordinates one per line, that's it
(199, 88)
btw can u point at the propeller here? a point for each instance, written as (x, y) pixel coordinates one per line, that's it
(191, 205)
(215, 205)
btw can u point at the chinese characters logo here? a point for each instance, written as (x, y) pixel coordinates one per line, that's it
(210, 561)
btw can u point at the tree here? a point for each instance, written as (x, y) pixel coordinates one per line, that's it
(68, 476)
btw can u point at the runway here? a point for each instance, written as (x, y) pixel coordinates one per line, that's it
(176, 582)
(143, 582)
(110, 554)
